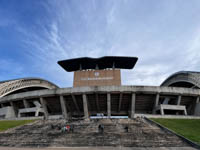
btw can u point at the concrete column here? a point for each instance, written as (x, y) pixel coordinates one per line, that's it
(162, 111)
(75, 103)
(179, 100)
(26, 104)
(197, 100)
(197, 107)
(63, 107)
(185, 112)
(14, 108)
(97, 101)
(120, 101)
(44, 106)
(85, 107)
(108, 105)
(156, 103)
(133, 105)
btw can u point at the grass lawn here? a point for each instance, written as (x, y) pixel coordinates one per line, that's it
(4, 125)
(189, 128)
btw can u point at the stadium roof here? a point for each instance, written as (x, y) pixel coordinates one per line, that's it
(85, 63)
(24, 85)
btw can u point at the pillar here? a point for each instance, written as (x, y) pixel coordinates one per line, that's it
(162, 111)
(63, 107)
(156, 103)
(133, 105)
(26, 104)
(197, 100)
(14, 108)
(85, 107)
(197, 107)
(120, 101)
(44, 106)
(97, 102)
(185, 112)
(108, 105)
(179, 100)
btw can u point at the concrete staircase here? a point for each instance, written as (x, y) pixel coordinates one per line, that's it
(47, 133)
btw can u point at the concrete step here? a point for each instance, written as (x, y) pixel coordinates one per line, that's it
(41, 134)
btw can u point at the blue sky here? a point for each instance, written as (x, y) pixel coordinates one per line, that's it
(34, 35)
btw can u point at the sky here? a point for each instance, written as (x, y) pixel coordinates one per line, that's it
(35, 34)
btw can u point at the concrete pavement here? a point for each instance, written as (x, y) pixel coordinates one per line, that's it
(101, 148)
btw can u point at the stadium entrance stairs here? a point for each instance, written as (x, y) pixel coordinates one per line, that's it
(116, 133)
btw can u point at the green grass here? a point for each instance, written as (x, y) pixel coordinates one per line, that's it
(189, 128)
(4, 125)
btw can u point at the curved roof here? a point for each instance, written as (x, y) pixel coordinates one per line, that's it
(85, 63)
(182, 77)
(10, 86)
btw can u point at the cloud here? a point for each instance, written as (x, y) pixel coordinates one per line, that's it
(164, 37)
(192, 52)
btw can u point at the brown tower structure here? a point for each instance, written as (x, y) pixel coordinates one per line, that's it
(103, 71)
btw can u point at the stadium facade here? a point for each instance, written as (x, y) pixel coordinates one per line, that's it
(97, 91)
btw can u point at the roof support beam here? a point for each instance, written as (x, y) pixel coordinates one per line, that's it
(75, 103)
(120, 101)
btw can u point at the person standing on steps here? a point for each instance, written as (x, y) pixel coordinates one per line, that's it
(101, 128)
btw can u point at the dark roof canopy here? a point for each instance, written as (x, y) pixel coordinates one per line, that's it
(85, 63)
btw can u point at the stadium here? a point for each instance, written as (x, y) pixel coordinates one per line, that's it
(97, 91)
(98, 109)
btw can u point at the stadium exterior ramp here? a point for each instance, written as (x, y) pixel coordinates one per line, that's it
(20, 86)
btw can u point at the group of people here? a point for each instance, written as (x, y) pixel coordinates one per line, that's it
(68, 128)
